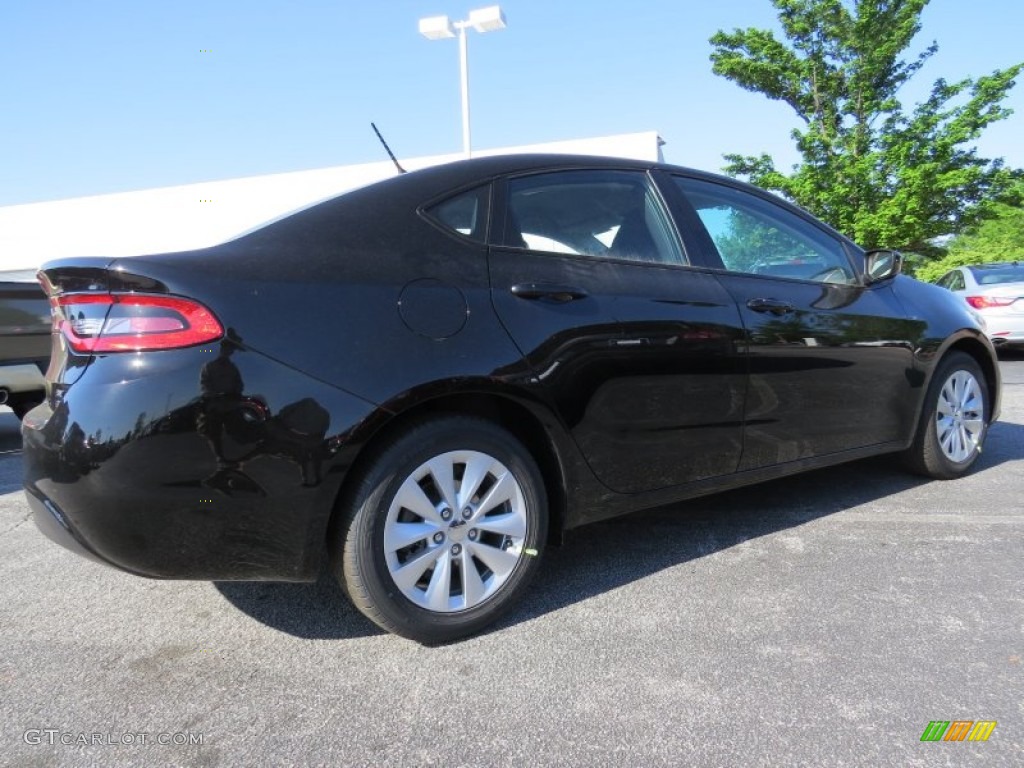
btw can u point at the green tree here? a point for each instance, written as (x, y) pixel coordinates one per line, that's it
(1000, 238)
(884, 175)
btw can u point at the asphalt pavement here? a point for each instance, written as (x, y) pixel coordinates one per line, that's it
(820, 620)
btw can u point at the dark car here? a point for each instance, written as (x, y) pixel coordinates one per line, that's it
(24, 340)
(431, 378)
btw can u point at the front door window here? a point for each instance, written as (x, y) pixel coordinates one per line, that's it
(755, 237)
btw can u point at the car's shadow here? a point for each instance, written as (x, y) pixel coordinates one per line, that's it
(10, 431)
(319, 611)
(604, 556)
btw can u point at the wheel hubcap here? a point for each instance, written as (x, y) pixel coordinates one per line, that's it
(960, 417)
(445, 562)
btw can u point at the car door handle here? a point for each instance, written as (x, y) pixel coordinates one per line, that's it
(559, 294)
(774, 306)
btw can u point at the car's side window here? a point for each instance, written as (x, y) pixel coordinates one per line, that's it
(466, 213)
(610, 214)
(755, 236)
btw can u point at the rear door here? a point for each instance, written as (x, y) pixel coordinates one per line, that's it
(831, 360)
(636, 350)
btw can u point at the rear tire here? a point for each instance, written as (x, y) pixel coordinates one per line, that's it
(954, 420)
(443, 531)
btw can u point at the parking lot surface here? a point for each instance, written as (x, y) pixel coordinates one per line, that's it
(820, 620)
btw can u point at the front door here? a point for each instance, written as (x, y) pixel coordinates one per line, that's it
(831, 360)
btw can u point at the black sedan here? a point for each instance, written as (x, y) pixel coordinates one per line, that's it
(431, 378)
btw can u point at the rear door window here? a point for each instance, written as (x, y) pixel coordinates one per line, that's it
(599, 213)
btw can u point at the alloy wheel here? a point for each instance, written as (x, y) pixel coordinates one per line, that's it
(455, 531)
(960, 416)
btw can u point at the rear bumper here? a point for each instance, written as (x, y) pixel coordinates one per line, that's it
(150, 475)
(1004, 328)
(1007, 338)
(54, 524)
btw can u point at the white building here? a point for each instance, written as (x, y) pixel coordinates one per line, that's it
(197, 215)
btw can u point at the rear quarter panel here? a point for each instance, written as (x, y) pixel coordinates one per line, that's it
(360, 292)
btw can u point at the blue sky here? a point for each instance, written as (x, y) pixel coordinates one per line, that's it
(116, 95)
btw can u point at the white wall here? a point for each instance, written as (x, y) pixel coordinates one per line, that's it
(197, 215)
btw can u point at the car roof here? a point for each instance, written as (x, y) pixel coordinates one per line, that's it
(433, 181)
(480, 168)
(18, 276)
(413, 190)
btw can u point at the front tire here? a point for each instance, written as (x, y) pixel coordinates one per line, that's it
(443, 531)
(954, 421)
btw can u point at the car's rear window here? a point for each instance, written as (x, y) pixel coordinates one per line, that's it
(1009, 273)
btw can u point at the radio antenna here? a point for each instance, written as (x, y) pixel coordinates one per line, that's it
(388, 149)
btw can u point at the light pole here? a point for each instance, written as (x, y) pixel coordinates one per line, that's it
(440, 27)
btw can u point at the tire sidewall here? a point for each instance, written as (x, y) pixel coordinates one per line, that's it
(942, 464)
(389, 472)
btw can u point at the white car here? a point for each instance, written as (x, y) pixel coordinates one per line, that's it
(996, 292)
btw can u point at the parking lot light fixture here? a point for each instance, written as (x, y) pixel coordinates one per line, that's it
(482, 20)
(436, 28)
(487, 19)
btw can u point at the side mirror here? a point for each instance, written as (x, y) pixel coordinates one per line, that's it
(882, 264)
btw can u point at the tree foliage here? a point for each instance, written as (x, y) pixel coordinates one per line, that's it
(884, 175)
(747, 242)
(1000, 238)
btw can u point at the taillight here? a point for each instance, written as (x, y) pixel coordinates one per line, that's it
(131, 322)
(984, 302)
